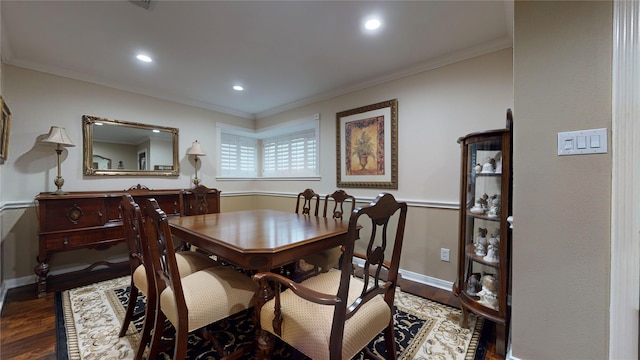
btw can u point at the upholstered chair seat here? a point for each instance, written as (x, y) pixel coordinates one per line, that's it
(210, 295)
(302, 330)
(188, 263)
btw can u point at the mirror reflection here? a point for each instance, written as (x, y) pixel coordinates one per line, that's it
(115, 147)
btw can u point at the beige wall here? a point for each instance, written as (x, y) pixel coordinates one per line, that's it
(561, 204)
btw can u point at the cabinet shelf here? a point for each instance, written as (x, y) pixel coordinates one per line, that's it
(471, 254)
(486, 174)
(483, 217)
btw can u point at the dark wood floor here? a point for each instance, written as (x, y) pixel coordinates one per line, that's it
(27, 325)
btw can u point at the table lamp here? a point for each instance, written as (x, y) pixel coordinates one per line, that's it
(58, 135)
(196, 150)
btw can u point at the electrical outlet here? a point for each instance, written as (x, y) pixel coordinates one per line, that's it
(444, 254)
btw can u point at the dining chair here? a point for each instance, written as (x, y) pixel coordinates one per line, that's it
(142, 278)
(309, 200)
(200, 200)
(324, 260)
(335, 314)
(193, 301)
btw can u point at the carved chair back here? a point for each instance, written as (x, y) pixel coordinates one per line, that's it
(163, 256)
(200, 200)
(382, 244)
(309, 200)
(339, 198)
(139, 257)
(133, 231)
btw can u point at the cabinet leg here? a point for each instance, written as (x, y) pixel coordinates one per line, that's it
(501, 340)
(42, 270)
(464, 321)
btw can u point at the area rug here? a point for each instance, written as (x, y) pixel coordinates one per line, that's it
(89, 320)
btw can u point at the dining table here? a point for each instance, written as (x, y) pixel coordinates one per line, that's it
(260, 240)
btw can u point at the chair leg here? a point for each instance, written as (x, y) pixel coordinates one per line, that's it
(390, 341)
(147, 326)
(158, 329)
(180, 351)
(265, 345)
(131, 305)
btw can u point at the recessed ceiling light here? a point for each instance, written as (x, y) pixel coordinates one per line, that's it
(238, 88)
(144, 58)
(372, 24)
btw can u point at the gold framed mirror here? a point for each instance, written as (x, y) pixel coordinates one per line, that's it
(132, 149)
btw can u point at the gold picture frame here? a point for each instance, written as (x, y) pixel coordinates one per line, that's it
(5, 127)
(367, 146)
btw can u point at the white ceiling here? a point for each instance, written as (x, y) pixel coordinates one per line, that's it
(285, 54)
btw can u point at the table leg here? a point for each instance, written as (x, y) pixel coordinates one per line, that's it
(264, 340)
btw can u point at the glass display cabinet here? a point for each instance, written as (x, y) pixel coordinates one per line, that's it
(484, 249)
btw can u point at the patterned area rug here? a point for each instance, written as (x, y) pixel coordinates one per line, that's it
(90, 317)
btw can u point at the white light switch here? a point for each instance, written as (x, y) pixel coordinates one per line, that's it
(568, 144)
(582, 142)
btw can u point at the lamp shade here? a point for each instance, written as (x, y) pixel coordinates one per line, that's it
(196, 149)
(58, 135)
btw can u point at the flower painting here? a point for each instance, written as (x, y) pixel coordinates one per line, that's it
(367, 146)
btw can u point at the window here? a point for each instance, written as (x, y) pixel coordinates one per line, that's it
(238, 156)
(290, 155)
(286, 150)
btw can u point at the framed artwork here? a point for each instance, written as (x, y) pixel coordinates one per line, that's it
(367, 146)
(5, 126)
(142, 159)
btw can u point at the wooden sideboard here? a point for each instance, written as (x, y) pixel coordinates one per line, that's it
(93, 220)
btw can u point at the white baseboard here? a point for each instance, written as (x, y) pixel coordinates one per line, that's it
(426, 280)
(415, 277)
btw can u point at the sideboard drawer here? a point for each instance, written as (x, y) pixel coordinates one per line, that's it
(72, 214)
(98, 238)
(169, 204)
(114, 209)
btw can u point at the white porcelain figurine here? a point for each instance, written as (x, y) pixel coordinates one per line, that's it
(488, 295)
(481, 242)
(489, 166)
(493, 248)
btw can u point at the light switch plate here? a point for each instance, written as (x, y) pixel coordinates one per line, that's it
(582, 142)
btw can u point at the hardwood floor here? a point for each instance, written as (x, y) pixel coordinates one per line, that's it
(28, 328)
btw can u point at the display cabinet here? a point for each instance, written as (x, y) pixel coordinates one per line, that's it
(484, 249)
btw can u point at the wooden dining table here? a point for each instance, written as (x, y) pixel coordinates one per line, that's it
(260, 240)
